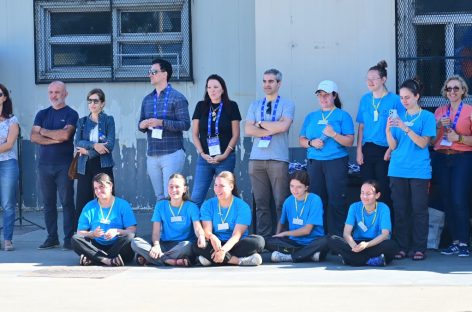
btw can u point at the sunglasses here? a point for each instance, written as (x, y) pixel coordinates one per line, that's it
(94, 101)
(449, 89)
(154, 72)
(1, 94)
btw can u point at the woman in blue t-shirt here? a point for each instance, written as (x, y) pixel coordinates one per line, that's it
(326, 134)
(176, 225)
(303, 212)
(366, 238)
(408, 137)
(106, 227)
(373, 154)
(226, 219)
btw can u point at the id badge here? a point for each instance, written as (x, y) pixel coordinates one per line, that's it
(297, 221)
(322, 122)
(362, 226)
(104, 221)
(445, 142)
(156, 133)
(408, 123)
(214, 146)
(176, 219)
(223, 227)
(376, 115)
(264, 142)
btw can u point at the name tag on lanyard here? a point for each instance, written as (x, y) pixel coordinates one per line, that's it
(104, 221)
(157, 133)
(409, 123)
(322, 122)
(297, 221)
(214, 146)
(264, 142)
(376, 115)
(362, 226)
(223, 226)
(176, 219)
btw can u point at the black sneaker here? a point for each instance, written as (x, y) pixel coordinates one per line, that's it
(48, 244)
(67, 245)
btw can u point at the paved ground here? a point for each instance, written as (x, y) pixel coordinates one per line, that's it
(51, 280)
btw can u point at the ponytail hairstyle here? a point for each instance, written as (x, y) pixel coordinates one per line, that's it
(381, 68)
(185, 195)
(414, 85)
(229, 176)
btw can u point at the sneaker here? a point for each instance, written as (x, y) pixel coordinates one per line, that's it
(8, 245)
(252, 260)
(277, 256)
(463, 251)
(67, 245)
(451, 250)
(316, 257)
(48, 244)
(204, 261)
(377, 261)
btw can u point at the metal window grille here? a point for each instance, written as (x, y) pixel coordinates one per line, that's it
(110, 40)
(434, 42)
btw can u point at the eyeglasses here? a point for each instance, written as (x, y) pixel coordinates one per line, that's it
(269, 108)
(94, 101)
(154, 72)
(1, 94)
(449, 89)
(372, 79)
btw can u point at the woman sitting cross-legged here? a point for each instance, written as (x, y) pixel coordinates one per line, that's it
(226, 219)
(106, 227)
(176, 225)
(366, 232)
(303, 211)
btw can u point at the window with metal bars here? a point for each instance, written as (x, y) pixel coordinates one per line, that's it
(434, 42)
(110, 40)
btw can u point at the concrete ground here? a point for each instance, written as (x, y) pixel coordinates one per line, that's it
(51, 280)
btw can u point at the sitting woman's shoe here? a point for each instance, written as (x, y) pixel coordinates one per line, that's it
(8, 245)
(400, 255)
(418, 256)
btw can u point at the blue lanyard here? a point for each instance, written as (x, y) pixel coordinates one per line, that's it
(166, 101)
(456, 117)
(274, 111)
(217, 121)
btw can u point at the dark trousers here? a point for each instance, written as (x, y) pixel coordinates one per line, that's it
(85, 191)
(245, 247)
(454, 173)
(339, 246)
(376, 168)
(410, 202)
(300, 253)
(97, 252)
(53, 180)
(328, 179)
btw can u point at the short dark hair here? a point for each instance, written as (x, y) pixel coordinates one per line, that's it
(102, 179)
(414, 85)
(277, 73)
(99, 92)
(301, 176)
(165, 66)
(375, 185)
(7, 110)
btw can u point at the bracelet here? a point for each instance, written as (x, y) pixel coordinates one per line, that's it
(461, 139)
(260, 124)
(309, 143)
(335, 134)
(407, 130)
(230, 147)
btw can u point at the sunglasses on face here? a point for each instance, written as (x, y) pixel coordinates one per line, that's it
(1, 94)
(94, 101)
(153, 72)
(455, 89)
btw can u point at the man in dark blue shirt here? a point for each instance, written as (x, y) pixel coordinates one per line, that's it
(53, 130)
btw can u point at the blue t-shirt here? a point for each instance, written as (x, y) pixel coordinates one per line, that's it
(341, 122)
(374, 131)
(375, 222)
(311, 213)
(182, 228)
(121, 217)
(56, 119)
(240, 213)
(408, 160)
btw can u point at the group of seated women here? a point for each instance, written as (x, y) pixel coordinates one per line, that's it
(218, 233)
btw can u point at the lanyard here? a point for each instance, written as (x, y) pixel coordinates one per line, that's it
(414, 119)
(109, 212)
(227, 212)
(326, 118)
(376, 108)
(456, 117)
(217, 121)
(273, 111)
(303, 208)
(172, 212)
(375, 215)
(166, 101)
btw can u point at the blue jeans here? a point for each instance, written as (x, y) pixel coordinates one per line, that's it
(204, 173)
(160, 168)
(453, 173)
(8, 186)
(53, 179)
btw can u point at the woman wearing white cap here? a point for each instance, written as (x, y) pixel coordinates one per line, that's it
(325, 134)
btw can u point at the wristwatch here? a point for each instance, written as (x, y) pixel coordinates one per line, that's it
(461, 139)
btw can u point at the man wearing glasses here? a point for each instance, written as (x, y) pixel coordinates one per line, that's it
(164, 117)
(268, 120)
(53, 130)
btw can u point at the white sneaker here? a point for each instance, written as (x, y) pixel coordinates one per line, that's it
(316, 257)
(277, 256)
(204, 261)
(254, 259)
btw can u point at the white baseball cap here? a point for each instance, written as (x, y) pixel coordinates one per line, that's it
(327, 86)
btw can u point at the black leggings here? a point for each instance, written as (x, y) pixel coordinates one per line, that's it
(245, 247)
(97, 252)
(300, 253)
